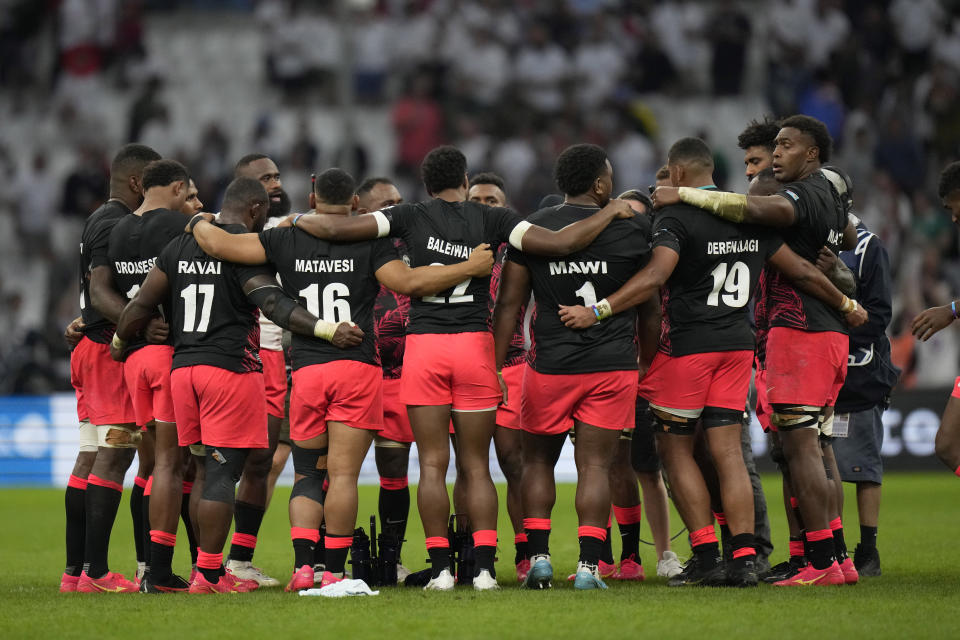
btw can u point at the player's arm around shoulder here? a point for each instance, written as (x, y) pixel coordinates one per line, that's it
(429, 280)
(773, 211)
(540, 241)
(241, 248)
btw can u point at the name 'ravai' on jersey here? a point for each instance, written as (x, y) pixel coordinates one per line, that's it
(733, 246)
(574, 266)
(448, 248)
(199, 268)
(323, 266)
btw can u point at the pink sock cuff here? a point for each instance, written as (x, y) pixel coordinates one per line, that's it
(209, 560)
(187, 487)
(394, 484)
(533, 524)
(628, 515)
(721, 517)
(794, 503)
(106, 484)
(816, 536)
(244, 540)
(332, 541)
(140, 482)
(164, 538)
(485, 538)
(148, 488)
(796, 548)
(305, 533)
(835, 524)
(437, 542)
(744, 551)
(586, 531)
(76, 482)
(705, 535)
(520, 537)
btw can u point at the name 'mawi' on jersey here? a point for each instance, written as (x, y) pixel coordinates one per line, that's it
(94, 242)
(335, 282)
(135, 243)
(584, 277)
(704, 300)
(438, 232)
(211, 320)
(820, 220)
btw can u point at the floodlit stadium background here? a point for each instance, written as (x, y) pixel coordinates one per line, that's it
(372, 85)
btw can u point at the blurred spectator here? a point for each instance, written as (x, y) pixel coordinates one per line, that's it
(540, 69)
(87, 184)
(729, 36)
(36, 192)
(418, 124)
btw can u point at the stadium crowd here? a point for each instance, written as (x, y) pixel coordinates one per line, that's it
(510, 83)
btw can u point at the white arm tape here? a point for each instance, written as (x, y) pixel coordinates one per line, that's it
(383, 225)
(516, 236)
(324, 330)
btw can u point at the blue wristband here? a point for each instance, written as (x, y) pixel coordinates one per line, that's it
(295, 218)
(953, 309)
(596, 311)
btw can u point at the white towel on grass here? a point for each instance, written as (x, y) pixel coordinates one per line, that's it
(341, 589)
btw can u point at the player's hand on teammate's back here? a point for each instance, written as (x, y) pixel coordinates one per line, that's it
(623, 208)
(74, 332)
(347, 335)
(209, 217)
(857, 317)
(826, 260)
(930, 321)
(157, 331)
(577, 316)
(480, 261)
(665, 196)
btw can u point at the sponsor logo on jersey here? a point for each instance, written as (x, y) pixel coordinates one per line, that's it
(578, 266)
(748, 245)
(130, 267)
(791, 194)
(197, 267)
(448, 248)
(324, 266)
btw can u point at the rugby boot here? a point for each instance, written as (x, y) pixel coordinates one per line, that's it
(867, 561)
(784, 570)
(629, 569)
(741, 572)
(68, 583)
(484, 581)
(850, 575)
(540, 575)
(523, 568)
(810, 577)
(443, 582)
(669, 565)
(245, 570)
(302, 578)
(171, 584)
(109, 583)
(588, 577)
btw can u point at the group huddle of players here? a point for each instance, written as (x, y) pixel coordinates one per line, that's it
(458, 319)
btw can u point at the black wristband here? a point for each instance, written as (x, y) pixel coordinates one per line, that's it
(194, 220)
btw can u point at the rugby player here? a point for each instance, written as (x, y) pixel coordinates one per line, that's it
(947, 443)
(391, 312)
(757, 143)
(134, 245)
(217, 381)
(448, 361)
(488, 189)
(252, 491)
(800, 326)
(708, 269)
(107, 423)
(587, 380)
(334, 392)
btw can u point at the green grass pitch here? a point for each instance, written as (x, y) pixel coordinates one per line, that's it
(917, 596)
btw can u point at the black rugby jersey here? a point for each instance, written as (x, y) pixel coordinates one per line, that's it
(391, 314)
(585, 277)
(705, 300)
(441, 232)
(135, 243)
(211, 320)
(335, 282)
(93, 253)
(820, 220)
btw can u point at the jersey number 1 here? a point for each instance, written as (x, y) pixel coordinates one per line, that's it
(189, 295)
(736, 284)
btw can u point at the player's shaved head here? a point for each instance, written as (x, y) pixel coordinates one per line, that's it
(246, 160)
(242, 194)
(131, 160)
(692, 153)
(764, 183)
(334, 186)
(161, 173)
(377, 193)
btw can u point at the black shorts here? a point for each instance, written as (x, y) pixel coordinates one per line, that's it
(643, 446)
(858, 454)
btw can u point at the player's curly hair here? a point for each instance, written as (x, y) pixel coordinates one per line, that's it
(443, 168)
(577, 167)
(334, 186)
(160, 173)
(759, 133)
(488, 177)
(949, 180)
(815, 129)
